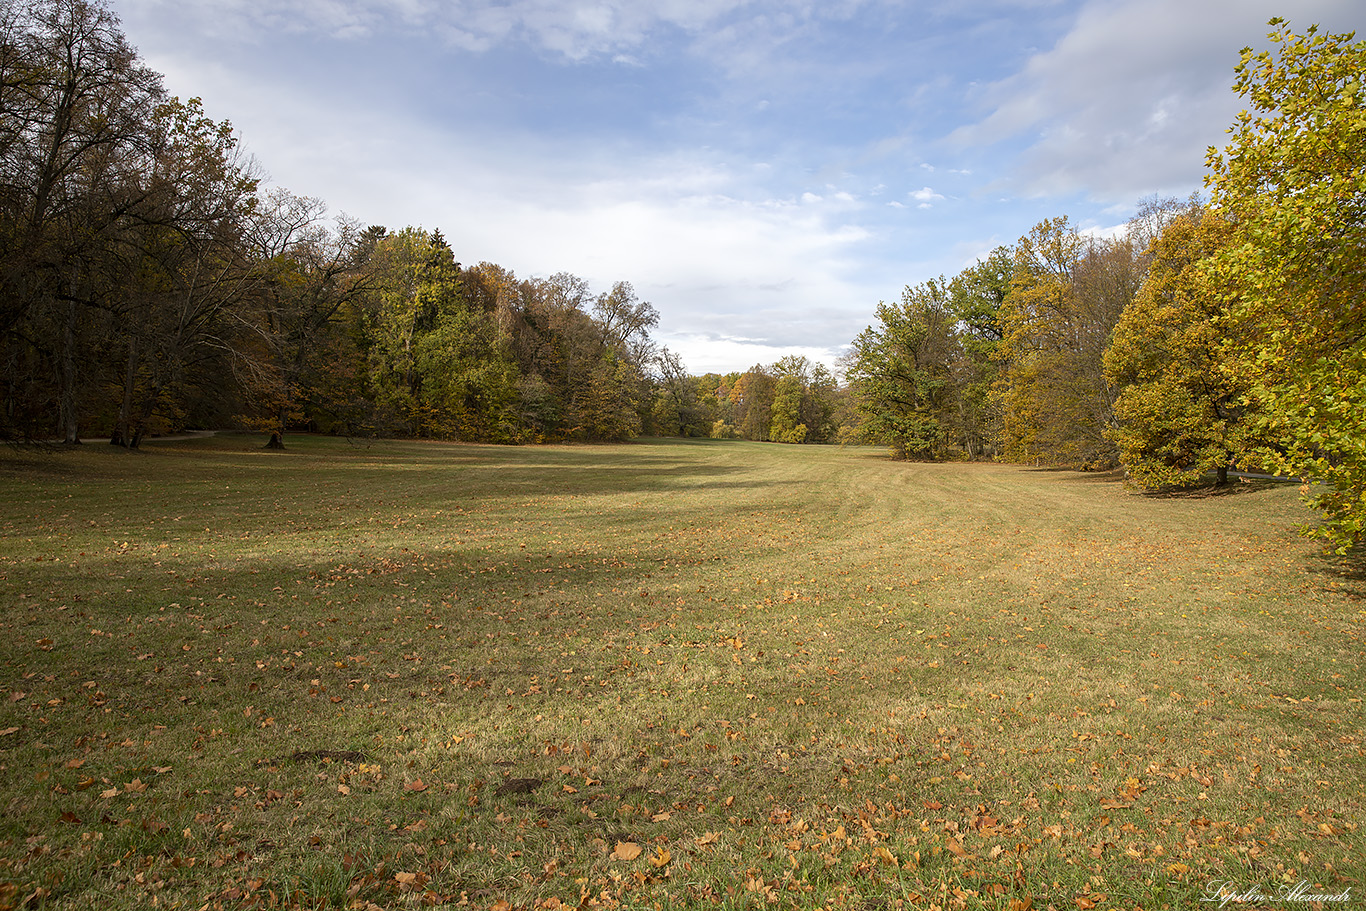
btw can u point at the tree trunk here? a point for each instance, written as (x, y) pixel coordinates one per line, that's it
(276, 441)
(1222, 475)
(123, 430)
(66, 408)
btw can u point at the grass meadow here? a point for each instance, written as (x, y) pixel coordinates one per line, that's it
(671, 673)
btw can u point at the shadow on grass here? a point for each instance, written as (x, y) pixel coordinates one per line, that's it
(1211, 488)
(1349, 570)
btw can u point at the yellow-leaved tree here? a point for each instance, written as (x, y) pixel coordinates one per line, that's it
(1293, 182)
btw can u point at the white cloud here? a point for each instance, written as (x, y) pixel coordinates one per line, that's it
(1126, 103)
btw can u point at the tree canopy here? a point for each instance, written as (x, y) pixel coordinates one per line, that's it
(1293, 181)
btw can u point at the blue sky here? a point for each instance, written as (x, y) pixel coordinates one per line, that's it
(762, 171)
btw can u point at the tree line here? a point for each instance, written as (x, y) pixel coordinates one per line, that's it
(1209, 335)
(148, 282)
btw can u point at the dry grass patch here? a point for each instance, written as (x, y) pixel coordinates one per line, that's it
(699, 672)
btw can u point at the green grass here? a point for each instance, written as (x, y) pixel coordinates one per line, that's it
(426, 675)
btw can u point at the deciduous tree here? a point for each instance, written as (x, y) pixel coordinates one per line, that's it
(1293, 180)
(1182, 404)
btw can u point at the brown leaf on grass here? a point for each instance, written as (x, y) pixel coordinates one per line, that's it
(136, 786)
(501, 905)
(956, 848)
(410, 881)
(885, 856)
(415, 785)
(109, 792)
(7, 731)
(1022, 904)
(626, 850)
(1115, 803)
(661, 817)
(661, 858)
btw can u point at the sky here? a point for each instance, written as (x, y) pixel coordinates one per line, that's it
(764, 172)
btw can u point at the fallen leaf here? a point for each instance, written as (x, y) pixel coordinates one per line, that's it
(626, 850)
(7, 731)
(660, 859)
(707, 839)
(415, 785)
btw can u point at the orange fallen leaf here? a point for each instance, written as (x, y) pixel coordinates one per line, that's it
(660, 859)
(415, 785)
(707, 839)
(1022, 904)
(626, 850)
